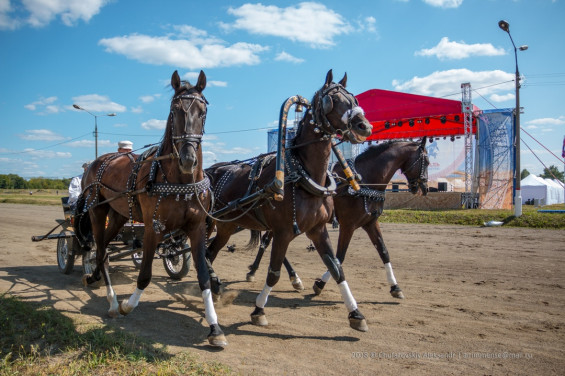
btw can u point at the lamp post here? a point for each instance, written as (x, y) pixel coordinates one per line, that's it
(517, 173)
(95, 126)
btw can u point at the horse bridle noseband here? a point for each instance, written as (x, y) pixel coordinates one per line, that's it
(421, 163)
(347, 117)
(190, 138)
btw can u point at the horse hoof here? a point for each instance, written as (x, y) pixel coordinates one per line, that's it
(396, 292)
(85, 278)
(216, 337)
(124, 308)
(318, 286)
(250, 277)
(297, 283)
(357, 321)
(258, 317)
(113, 313)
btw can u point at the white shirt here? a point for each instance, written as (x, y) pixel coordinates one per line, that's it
(75, 189)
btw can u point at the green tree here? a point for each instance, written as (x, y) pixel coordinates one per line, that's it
(524, 174)
(552, 173)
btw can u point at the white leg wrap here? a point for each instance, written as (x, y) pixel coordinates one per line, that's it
(112, 299)
(326, 277)
(348, 299)
(389, 274)
(263, 296)
(209, 310)
(133, 300)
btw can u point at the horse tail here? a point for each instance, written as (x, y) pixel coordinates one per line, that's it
(254, 240)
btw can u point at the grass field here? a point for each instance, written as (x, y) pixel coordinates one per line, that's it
(471, 217)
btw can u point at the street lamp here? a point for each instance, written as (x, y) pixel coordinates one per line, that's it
(95, 126)
(517, 173)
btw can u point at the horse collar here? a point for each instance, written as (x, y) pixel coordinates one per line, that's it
(297, 174)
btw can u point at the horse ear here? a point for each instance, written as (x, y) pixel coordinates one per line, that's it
(329, 78)
(343, 81)
(175, 80)
(201, 84)
(423, 143)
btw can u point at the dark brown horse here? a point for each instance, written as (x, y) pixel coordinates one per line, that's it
(307, 203)
(168, 192)
(376, 166)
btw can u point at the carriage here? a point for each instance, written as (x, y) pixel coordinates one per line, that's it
(173, 250)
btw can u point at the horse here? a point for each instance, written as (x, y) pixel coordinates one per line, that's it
(166, 188)
(306, 205)
(353, 209)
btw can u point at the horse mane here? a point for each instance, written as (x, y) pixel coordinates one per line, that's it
(374, 151)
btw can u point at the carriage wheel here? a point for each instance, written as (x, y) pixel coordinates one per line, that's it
(65, 253)
(177, 267)
(89, 260)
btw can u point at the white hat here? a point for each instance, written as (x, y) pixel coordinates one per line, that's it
(125, 145)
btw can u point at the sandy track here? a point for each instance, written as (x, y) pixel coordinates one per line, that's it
(478, 301)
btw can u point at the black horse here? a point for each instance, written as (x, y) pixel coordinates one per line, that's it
(354, 209)
(307, 203)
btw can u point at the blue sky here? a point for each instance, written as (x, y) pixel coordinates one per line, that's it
(118, 56)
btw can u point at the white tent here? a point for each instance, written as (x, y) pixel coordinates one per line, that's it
(534, 187)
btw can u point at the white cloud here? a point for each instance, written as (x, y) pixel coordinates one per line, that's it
(368, 25)
(322, 25)
(136, 110)
(459, 50)
(39, 13)
(283, 56)
(149, 98)
(154, 124)
(98, 103)
(215, 83)
(40, 135)
(444, 83)
(89, 144)
(547, 121)
(444, 3)
(184, 53)
(46, 154)
(45, 103)
(502, 98)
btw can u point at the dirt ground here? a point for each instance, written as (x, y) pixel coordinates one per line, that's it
(479, 301)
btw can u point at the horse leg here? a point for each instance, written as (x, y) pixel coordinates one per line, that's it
(373, 229)
(265, 241)
(102, 237)
(321, 240)
(223, 234)
(150, 240)
(197, 240)
(293, 276)
(343, 240)
(280, 245)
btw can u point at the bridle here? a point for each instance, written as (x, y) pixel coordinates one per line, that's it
(420, 163)
(324, 106)
(191, 138)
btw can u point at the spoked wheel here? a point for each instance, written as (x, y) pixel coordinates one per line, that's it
(65, 252)
(89, 260)
(177, 267)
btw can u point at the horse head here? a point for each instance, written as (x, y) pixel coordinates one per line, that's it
(339, 113)
(188, 115)
(416, 168)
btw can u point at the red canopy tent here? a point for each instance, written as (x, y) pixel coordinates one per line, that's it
(399, 115)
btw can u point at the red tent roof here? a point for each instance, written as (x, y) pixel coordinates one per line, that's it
(400, 115)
